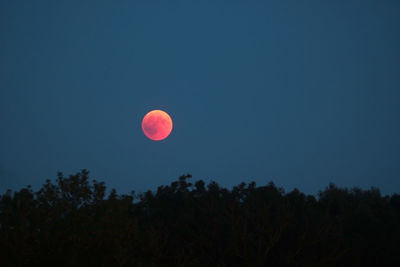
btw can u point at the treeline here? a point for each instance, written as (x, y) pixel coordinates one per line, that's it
(75, 222)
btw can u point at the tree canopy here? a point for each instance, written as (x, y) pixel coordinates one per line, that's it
(74, 221)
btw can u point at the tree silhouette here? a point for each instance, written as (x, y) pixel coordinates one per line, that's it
(74, 222)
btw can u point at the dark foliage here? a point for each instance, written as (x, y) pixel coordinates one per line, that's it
(73, 223)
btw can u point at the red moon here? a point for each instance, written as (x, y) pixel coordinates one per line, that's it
(157, 125)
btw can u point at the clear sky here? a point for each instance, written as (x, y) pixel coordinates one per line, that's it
(302, 93)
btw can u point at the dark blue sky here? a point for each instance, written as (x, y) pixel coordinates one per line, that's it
(302, 93)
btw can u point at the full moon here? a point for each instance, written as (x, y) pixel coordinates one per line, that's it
(157, 125)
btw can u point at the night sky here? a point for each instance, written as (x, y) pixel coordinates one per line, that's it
(302, 93)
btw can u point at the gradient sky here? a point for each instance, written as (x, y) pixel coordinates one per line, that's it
(302, 93)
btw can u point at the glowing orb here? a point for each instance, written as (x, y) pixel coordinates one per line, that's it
(157, 125)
